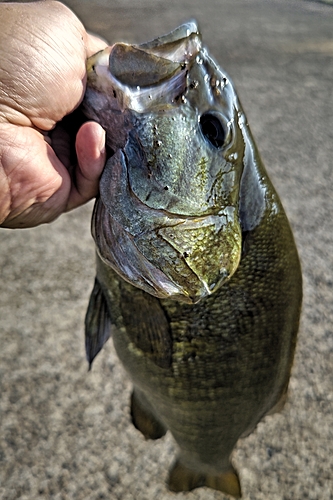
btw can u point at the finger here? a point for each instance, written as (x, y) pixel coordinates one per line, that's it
(94, 44)
(90, 150)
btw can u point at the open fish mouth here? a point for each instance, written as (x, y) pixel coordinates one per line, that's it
(148, 73)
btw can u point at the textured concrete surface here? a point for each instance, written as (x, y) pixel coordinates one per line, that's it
(66, 433)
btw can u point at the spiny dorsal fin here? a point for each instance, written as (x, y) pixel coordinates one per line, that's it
(97, 323)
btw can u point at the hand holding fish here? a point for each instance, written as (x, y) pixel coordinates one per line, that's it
(43, 51)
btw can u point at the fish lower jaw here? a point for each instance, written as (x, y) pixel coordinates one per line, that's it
(192, 294)
(204, 287)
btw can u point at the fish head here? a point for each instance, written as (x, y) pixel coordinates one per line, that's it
(169, 214)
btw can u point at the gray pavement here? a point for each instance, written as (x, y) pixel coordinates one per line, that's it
(66, 433)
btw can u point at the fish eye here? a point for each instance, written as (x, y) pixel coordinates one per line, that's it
(212, 129)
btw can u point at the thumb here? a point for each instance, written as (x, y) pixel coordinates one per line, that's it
(91, 155)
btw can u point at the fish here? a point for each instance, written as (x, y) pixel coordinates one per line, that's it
(198, 279)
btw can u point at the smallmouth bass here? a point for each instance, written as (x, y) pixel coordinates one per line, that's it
(198, 277)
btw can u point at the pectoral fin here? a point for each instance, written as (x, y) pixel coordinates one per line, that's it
(146, 325)
(278, 407)
(181, 478)
(97, 323)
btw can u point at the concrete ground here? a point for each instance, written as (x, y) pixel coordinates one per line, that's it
(65, 433)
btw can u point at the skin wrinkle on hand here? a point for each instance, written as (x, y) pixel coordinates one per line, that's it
(13, 161)
(33, 197)
(40, 64)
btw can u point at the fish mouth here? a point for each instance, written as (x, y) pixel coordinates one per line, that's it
(167, 255)
(146, 74)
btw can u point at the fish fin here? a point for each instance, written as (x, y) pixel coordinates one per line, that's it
(97, 323)
(227, 482)
(144, 420)
(252, 194)
(146, 324)
(280, 403)
(277, 408)
(181, 478)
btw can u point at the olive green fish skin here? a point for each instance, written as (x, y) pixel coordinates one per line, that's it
(209, 366)
(231, 353)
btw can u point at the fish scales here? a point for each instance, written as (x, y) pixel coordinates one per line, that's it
(198, 277)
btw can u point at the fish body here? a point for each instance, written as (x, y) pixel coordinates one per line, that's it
(198, 276)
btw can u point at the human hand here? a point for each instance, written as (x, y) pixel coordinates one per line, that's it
(43, 51)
